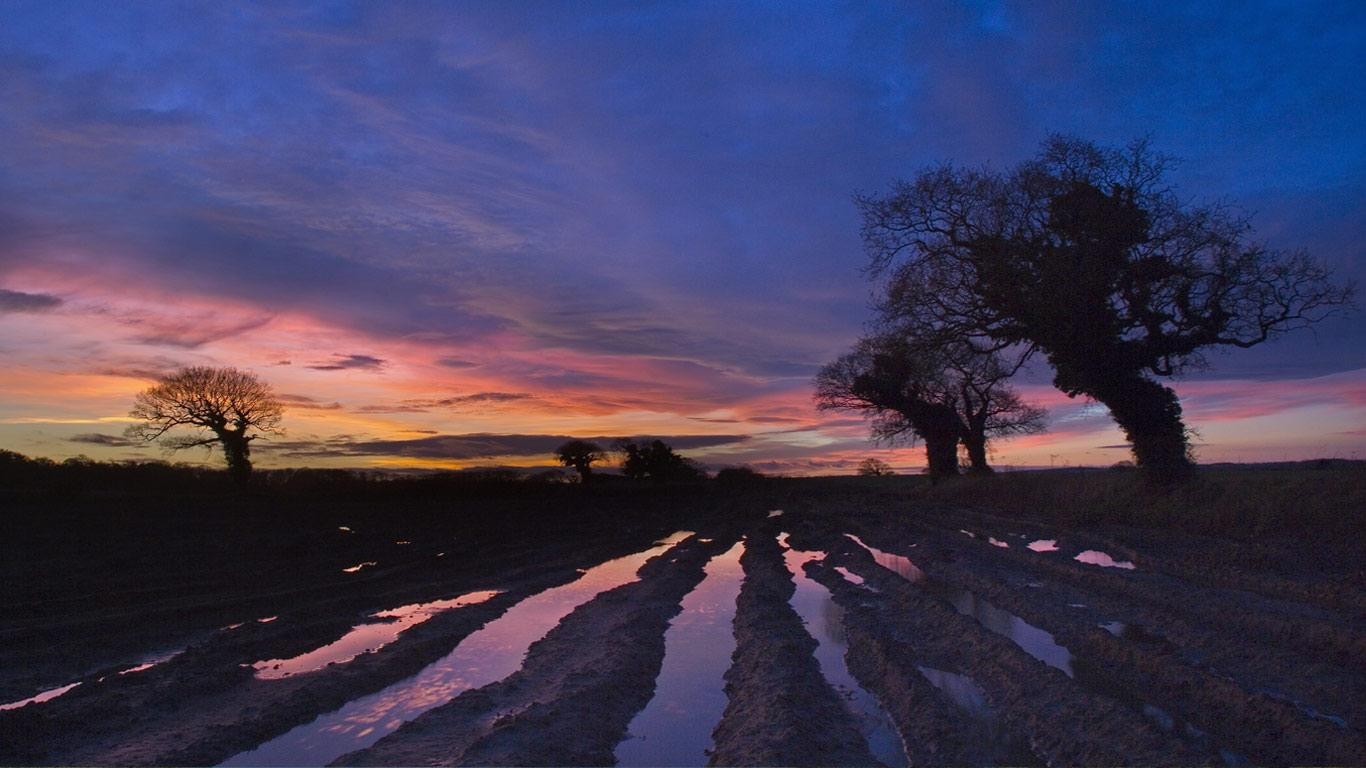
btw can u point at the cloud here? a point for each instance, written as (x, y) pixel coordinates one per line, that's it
(471, 446)
(455, 362)
(18, 301)
(303, 402)
(350, 362)
(112, 441)
(458, 402)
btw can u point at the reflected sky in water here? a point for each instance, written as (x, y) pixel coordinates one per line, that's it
(825, 621)
(1032, 640)
(1103, 559)
(675, 727)
(485, 656)
(365, 638)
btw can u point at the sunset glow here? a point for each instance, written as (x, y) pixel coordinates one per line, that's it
(450, 237)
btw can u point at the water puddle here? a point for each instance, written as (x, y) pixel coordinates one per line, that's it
(1104, 560)
(1032, 640)
(675, 727)
(1043, 545)
(901, 566)
(485, 656)
(147, 662)
(825, 621)
(344, 528)
(47, 695)
(365, 638)
(995, 542)
(968, 696)
(775, 513)
(358, 566)
(1115, 628)
(969, 534)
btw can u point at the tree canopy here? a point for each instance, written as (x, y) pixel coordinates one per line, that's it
(223, 406)
(581, 455)
(1085, 254)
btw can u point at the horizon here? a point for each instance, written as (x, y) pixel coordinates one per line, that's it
(448, 234)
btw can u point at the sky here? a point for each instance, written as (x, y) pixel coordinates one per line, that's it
(455, 234)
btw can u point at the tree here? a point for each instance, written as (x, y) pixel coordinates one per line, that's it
(580, 454)
(1085, 254)
(229, 407)
(657, 461)
(928, 388)
(874, 467)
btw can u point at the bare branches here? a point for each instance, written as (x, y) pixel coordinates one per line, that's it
(229, 408)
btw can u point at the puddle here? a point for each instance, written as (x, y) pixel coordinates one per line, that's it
(1032, 640)
(485, 656)
(48, 695)
(776, 513)
(901, 566)
(358, 566)
(344, 529)
(1096, 557)
(968, 696)
(152, 660)
(995, 542)
(267, 619)
(853, 578)
(1115, 628)
(675, 727)
(825, 621)
(1043, 545)
(364, 638)
(403, 542)
(970, 534)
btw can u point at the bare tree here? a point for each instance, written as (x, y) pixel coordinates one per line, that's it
(874, 467)
(581, 455)
(1085, 254)
(934, 389)
(226, 406)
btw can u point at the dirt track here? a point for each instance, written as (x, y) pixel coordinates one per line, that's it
(1181, 660)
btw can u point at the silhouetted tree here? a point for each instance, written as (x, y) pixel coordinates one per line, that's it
(1085, 254)
(580, 454)
(941, 392)
(873, 467)
(227, 406)
(657, 461)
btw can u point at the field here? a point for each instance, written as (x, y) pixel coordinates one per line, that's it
(1048, 618)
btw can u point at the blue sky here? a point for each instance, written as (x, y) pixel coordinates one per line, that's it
(622, 218)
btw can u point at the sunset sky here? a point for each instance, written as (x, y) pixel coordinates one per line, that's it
(455, 234)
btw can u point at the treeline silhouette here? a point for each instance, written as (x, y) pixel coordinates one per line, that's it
(81, 476)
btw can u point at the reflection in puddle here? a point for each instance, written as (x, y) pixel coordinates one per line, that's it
(40, 698)
(358, 566)
(364, 638)
(485, 656)
(901, 566)
(1096, 557)
(825, 621)
(675, 727)
(995, 542)
(267, 619)
(968, 696)
(970, 534)
(1031, 639)
(1115, 628)
(1043, 545)
(853, 578)
(776, 513)
(151, 661)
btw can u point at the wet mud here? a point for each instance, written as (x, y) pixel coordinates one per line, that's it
(979, 649)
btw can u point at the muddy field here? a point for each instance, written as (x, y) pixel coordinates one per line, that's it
(801, 625)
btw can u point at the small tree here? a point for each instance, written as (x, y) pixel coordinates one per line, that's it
(874, 467)
(658, 462)
(225, 406)
(580, 454)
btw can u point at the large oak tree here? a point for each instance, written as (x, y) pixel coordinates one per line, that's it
(224, 406)
(1086, 254)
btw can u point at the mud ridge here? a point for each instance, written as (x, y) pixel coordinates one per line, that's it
(781, 710)
(579, 687)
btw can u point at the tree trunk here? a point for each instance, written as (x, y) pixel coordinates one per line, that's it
(941, 451)
(237, 450)
(975, 440)
(1150, 415)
